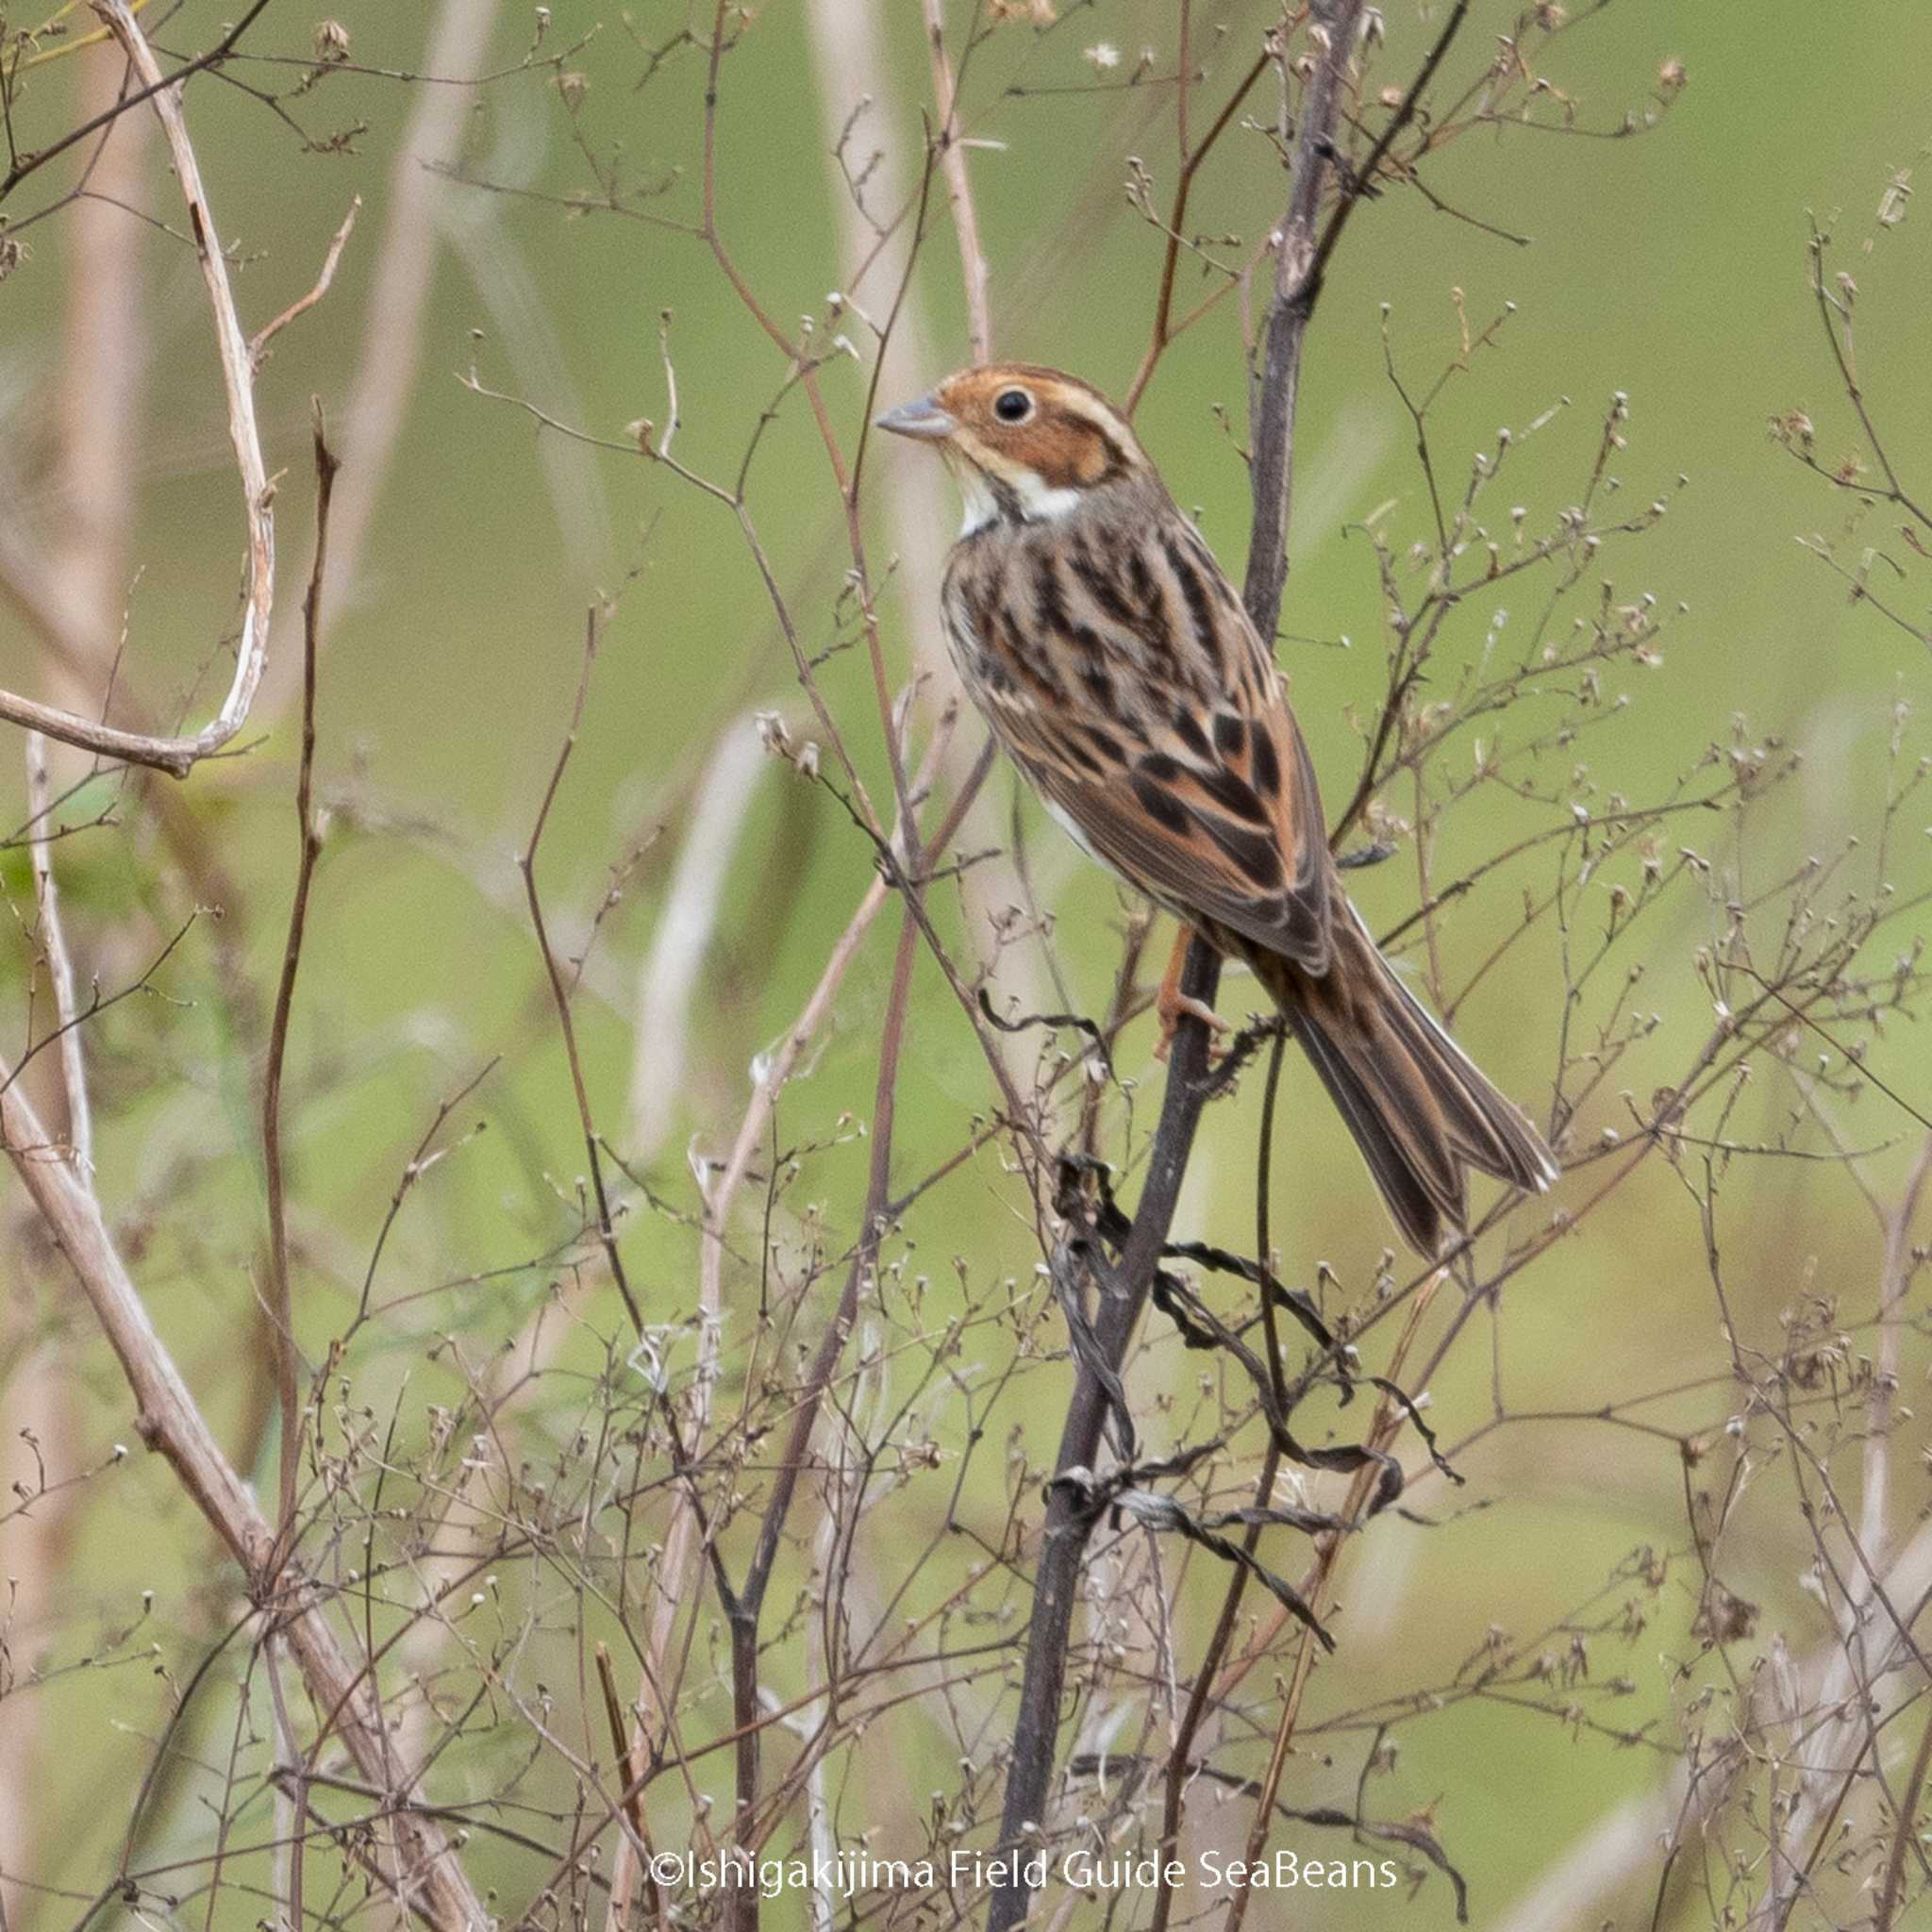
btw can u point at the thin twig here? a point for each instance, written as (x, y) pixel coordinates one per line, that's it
(426, 1877)
(1301, 262)
(1392, 1411)
(958, 185)
(258, 341)
(607, 1226)
(53, 938)
(721, 1191)
(1884, 1917)
(26, 164)
(308, 832)
(1830, 307)
(630, 1774)
(177, 754)
(1164, 331)
(747, 1601)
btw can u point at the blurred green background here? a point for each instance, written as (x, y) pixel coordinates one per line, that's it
(1671, 266)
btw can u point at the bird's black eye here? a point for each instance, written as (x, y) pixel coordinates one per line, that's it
(1012, 406)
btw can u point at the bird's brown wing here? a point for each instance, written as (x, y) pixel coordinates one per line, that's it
(1207, 803)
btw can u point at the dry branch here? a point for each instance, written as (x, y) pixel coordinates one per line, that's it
(815, 1409)
(177, 754)
(657, 1697)
(258, 342)
(560, 993)
(1301, 262)
(309, 852)
(1069, 1520)
(958, 186)
(101, 393)
(423, 1872)
(53, 938)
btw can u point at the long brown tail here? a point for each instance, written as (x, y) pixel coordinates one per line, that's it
(1418, 1109)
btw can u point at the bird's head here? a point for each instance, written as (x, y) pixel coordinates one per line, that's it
(1026, 445)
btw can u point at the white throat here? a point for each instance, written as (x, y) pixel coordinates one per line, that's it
(981, 507)
(1039, 504)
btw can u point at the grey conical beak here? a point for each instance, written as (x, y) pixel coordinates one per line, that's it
(924, 419)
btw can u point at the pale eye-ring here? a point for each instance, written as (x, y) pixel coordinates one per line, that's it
(1012, 406)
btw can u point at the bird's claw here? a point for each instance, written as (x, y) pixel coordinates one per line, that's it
(1176, 1006)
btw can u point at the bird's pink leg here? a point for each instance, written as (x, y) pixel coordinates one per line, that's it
(1174, 1005)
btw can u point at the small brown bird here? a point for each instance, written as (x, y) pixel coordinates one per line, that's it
(1116, 664)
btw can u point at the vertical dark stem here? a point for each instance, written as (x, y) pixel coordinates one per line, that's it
(1303, 256)
(560, 993)
(281, 1292)
(1202, 1690)
(1069, 1520)
(1299, 263)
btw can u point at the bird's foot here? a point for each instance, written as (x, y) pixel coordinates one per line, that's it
(1174, 1005)
(1181, 1008)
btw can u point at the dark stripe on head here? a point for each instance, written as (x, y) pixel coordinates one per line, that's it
(1083, 400)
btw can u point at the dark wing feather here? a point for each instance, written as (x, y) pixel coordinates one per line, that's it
(1176, 828)
(1122, 673)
